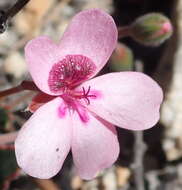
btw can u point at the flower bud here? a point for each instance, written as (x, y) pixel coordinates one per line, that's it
(121, 59)
(151, 29)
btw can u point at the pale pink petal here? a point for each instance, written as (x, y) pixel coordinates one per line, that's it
(94, 145)
(91, 33)
(41, 54)
(44, 141)
(127, 99)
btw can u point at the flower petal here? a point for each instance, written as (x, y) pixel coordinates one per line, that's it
(44, 141)
(91, 33)
(127, 99)
(41, 54)
(89, 145)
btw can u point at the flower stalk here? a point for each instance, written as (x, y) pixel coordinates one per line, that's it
(25, 85)
(124, 31)
(8, 138)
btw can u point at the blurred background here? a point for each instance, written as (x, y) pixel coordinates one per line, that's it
(162, 160)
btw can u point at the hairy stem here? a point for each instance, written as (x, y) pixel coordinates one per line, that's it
(25, 85)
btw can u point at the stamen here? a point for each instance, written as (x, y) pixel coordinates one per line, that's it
(80, 94)
(86, 95)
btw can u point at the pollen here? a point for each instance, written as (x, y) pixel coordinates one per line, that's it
(70, 72)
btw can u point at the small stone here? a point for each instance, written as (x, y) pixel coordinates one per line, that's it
(76, 182)
(91, 185)
(168, 114)
(173, 154)
(176, 130)
(15, 65)
(168, 144)
(8, 39)
(105, 5)
(109, 180)
(28, 21)
(123, 175)
(179, 170)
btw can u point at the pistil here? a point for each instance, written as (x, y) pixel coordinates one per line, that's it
(82, 94)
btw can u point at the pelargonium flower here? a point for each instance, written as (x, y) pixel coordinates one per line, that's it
(79, 112)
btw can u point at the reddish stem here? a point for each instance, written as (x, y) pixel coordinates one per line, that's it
(7, 147)
(11, 91)
(29, 85)
(25, 85)
(8, 138)
(124, 31)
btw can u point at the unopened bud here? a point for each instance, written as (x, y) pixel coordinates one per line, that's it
(151, 29)
(121, 59)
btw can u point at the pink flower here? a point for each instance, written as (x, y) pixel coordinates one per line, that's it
(82, 112)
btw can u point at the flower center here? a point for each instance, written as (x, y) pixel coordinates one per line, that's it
(71, 102)
(70, 72)
(84, 94)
